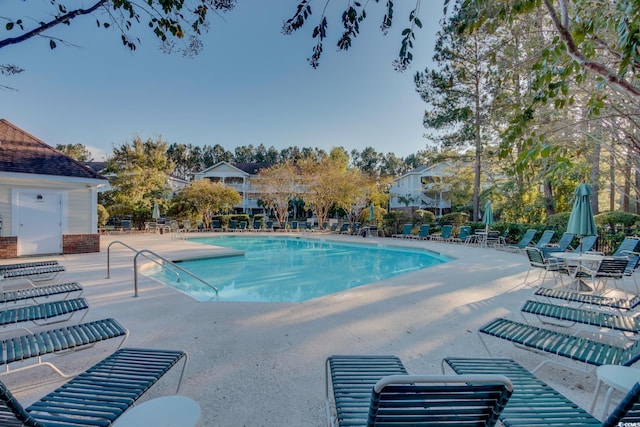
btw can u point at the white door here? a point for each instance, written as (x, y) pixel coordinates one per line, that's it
(39, 221)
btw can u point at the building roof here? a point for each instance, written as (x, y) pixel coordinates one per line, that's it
(252, 168)
(21, 152)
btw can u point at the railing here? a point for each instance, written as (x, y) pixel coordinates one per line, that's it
(172, 264)
(129, 247)
(161, 264)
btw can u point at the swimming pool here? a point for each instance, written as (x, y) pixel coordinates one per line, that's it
(293, 269)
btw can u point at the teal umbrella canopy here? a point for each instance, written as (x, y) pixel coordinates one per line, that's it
(581, 221)
(487, 219)
(156, 211)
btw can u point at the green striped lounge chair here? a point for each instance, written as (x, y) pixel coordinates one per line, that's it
(374, 390)
(97, 396)
(534, 403)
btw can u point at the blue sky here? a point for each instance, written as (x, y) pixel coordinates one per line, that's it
(250, 85)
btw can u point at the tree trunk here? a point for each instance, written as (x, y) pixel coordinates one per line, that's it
(595, 174)
(626, 200)
(612, 183)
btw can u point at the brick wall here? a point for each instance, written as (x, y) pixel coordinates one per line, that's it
(80, 243)
(8, 247)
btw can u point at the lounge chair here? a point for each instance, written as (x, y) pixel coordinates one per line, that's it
(629, 244)
(535, 403)
(186, 226)
(125, 225)
(33, 275)
(202, 227)
(406, 232)
(367, 393)
(233, 225)
(36, 293)
(45, 313)
(423, 233)
(242, 225)
(545, 239)
(268, 226)
(294, 226)
(589, 299)
(445, 234)
(98, 396)
(586, 244)
(545, 311)
(538, 263)
(355, 230)
(463, 235)
(333, 228)
(560, 345)
(17, 266)
(344, 228)
(523, 243)
(257, 225)
(563, 245)
(61, 340)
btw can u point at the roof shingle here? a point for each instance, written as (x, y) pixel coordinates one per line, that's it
(21, 152)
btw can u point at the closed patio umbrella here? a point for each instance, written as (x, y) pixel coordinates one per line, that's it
(371, 213)
(156, 212)
(581, 221)
(487, 219)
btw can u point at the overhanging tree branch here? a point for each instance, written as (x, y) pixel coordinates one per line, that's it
(48, 25)
(612, 78)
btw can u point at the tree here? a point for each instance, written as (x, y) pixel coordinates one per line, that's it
(459, 94)
(206, 198)
(278, 185)
(140, 171)
(168, 20)
(174, 21)
(76, 151)
(592, 36)
(322, 183)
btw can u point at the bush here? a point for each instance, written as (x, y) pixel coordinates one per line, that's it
(616, 217)
(558, 221)
(426, 217)
(393, 222)
(455, 218)
(103, 216)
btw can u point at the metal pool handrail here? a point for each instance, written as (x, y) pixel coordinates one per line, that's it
(174, 265)
(134, 250)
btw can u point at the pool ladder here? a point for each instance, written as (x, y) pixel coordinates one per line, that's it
(159, 260)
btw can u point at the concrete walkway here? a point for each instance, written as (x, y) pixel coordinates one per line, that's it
(262, 364)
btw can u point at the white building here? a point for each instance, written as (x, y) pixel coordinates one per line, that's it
(241, 177)
(422, 188)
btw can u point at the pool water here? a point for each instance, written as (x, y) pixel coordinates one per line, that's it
(285, 269)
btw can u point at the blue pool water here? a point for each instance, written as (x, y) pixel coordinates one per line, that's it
(284, 269)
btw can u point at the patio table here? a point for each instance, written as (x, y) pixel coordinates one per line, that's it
(579, 259)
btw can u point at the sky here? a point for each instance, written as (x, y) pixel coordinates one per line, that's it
(250, 85)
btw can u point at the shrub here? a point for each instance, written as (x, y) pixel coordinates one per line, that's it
(558, 221)
(393, 222)
(616, 217)
(455, 218)
(103, 216)
(426, 217)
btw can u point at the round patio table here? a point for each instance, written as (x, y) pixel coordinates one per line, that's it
(616, 377)
(166, 411)
(578, 258)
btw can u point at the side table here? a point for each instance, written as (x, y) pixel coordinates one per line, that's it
(167, 411)
(616, 377)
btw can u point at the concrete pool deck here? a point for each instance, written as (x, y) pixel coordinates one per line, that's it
(262, 364)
